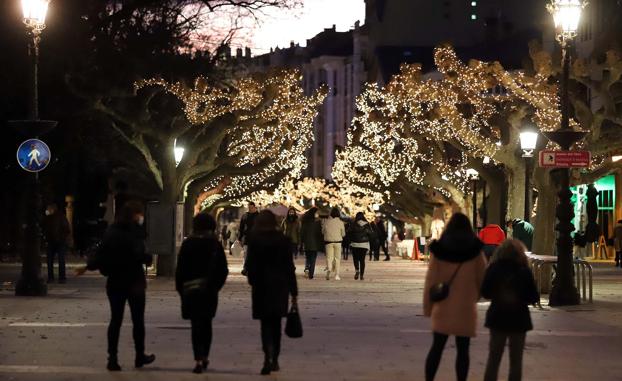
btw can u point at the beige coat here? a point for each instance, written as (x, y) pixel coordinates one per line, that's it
(456, 315)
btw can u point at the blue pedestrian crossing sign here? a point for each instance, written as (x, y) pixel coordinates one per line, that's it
(33, 155)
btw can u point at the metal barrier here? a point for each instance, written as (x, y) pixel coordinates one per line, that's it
(539, 263)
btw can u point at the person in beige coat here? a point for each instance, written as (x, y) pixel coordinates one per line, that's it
(333, 231)
(459, 252)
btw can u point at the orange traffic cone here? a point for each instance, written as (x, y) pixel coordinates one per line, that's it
(415, 256)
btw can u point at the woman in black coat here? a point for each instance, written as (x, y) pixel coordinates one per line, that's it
(510, 286)
(122, 259)
(272, 275)
(201, 273)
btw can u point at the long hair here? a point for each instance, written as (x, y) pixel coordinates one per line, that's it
(289, 214)
(458, 228)
(203, 223)
(265, 222)
(309, 216)
(511, 250)
(128, 211)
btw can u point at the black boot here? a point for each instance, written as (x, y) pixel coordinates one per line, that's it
(143, 359)
(267, 367)
(275, 364)
(113, 364)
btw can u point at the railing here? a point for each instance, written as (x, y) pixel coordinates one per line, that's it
(582, 273)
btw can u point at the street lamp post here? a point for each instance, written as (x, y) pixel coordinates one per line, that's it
(30, 282)
(566, 14)
(473, 176)
(528, 142)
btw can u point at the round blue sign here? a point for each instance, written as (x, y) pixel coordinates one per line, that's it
(33, 155)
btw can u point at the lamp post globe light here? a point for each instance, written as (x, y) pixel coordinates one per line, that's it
(30, 282)
(528, 143)
(473, 176)
(566, 14)
(178, 151)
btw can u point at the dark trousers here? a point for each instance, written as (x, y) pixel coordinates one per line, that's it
(436, 352)
(136, 300)
(310, 257)
(495, 353)
(294, 249)
(271, 338)
(345, 250)
(56, 250)
(385, 249)
(358, 255)
(201, 337)
(375, 253)
(618, 258)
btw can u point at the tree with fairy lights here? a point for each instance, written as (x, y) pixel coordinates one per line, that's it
(425, 132)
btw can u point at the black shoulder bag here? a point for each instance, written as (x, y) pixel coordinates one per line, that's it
(440, 291)
(293, 325)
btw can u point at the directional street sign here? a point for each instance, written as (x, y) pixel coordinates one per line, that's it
(33, 155)
(565, 159)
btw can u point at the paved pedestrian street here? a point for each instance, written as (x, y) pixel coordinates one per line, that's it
(354, 330)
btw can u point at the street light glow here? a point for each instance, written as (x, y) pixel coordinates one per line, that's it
(35, 12)
(566, 14)
(179, 152)
(528, 142)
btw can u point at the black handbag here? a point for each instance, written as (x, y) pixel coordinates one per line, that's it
(440, 291)
(293, 325)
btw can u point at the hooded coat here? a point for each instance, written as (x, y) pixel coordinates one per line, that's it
(271, 274)
(457, 314)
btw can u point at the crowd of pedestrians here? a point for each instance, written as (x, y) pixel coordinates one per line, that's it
(463, 267)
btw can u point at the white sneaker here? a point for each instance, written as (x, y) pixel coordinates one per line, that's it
(306, 273)
(337, 277)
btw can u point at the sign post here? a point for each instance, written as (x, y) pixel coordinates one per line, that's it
(565, 159)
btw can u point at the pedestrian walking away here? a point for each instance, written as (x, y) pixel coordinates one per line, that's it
(510, 286)
(522, 231)
(333, 231)
(380, 242)
(491, 236)
(201, 273)
(291, 228)
(312, 239)
(121, 258)
(57, 235)
(272, 276)
(457, 265)
(246, 225)
(359, 235)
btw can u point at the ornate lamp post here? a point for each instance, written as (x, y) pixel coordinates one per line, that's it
(566, 14)
(528, 142)
(30, 282)
(473, 176)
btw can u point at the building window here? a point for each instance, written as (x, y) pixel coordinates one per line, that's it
(474, 3)
(473, 17)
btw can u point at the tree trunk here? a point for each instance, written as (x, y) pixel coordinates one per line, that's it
(544, 235)
(516, 191)
(167, 259)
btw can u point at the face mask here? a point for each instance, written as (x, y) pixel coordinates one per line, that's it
(141, 220)
(317, 215)
(47, 213)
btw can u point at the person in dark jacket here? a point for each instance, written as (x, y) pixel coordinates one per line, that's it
(57, 235)
(122, 259)
(291, 228)
(510, 286)
(380, 239)
(522, 231)
(246, 225)
(312, 239)
(201, 273)
(272, 276)
(359, 235)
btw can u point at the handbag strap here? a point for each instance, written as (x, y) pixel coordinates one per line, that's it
(454, 275)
